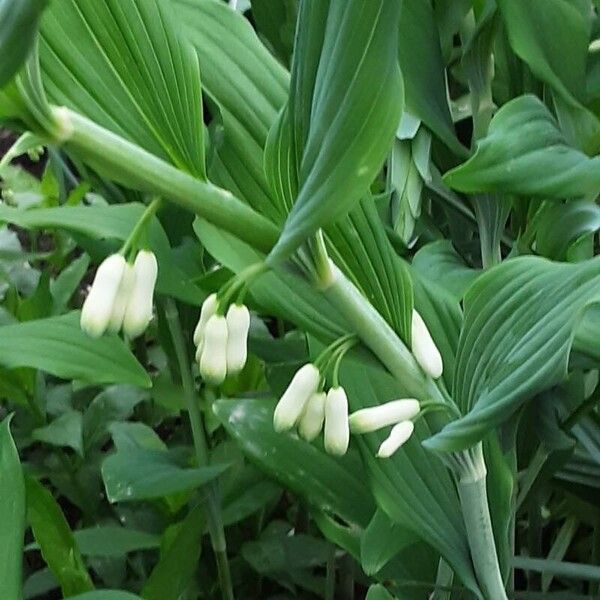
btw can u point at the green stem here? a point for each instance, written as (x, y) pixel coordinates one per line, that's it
(476, 514)
(213, 508)
(375, 333)
(148, 213)
(129, 164)
(330, 575)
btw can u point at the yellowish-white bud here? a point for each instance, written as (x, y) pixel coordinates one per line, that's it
(311, 421)
(424, 349)
(139, 308)
(209, 308)
(291, 406)
(238, 324)
(337, 430)
(390, 413)
(98, 306)
(122, 298)
(213, 359)
(398, 436)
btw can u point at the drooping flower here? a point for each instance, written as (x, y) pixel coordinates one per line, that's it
(290, 407)
(398, 436)
(424, 349)
(238, 324)
(121, 299)
(209, 308)
(98, 306)
(311, 421)
(390, 413)
(139, 307)
(213, 356)
(337, 430)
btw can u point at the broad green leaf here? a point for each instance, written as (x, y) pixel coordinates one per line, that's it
(519, 324)
(331, 484)
(12, 516)
(19, 20)
(140, 474)
(126, 65)
(539, 32)
(115, 541)
(424, 79)
(536, 162)
(57, 345)
(52, 533)
(105, 595)
(179, 561)
(65, 430)
(412, 487)
(112, 222)
(343, 111)
(276, 21)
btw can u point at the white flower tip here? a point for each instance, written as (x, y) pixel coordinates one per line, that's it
(139, 307)
(424, 349)
(209, 308)
(311, 421)
(398, 436)
(337, 429)
(213, 359)
(371, 419)
(238, 325)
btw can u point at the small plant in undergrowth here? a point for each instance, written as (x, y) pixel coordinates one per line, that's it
(299, 299)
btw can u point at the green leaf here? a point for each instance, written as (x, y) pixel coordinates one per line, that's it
(276, 21)
(179, 561)
(331, 484)
(52, 533)
(105, 595)
(57, 345)
(424, 79)
(378, 592)
(126, 65)
(140, 474)
(567, 570)
(12, 516)
(343, 111)
(536, 162)
(113, 541)
(519, 325)
(65, 430)
(19, 20)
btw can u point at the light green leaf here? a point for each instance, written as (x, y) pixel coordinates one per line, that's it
(57, 345)
(52, 533)
(12, 516)
(140, 474)
(331, 484)
(19, 20)
(378, 592)
(343, 112)
(126, 65)
(63, 431)
(519, 325)
(536, 162)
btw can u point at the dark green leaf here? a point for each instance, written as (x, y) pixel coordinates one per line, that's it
(107, 540)
(105, 595)
(65, 430)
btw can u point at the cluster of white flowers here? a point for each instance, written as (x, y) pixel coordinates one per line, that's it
(306, 406)
(121, 296)
(397, 413)
(424, 349)
(221, 340)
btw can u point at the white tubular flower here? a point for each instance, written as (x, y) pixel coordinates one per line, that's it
(390, 413)
(213, 358)
(209, 308)
(98, 306)
(238, 324)
(398, 436)
(291, 406)
(311, 421)
(424, 349)
(139, 308)
(337, 430)
(122, 298)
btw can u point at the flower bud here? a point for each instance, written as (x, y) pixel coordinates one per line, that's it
(238, 323)
(398, 436)
(424, 349)
(390, 413)
(337, 431)
(291, 406)
(311, 421)
(121, 299)
(97, 308)
(209, 308)
(213, 359)
(139, 308)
